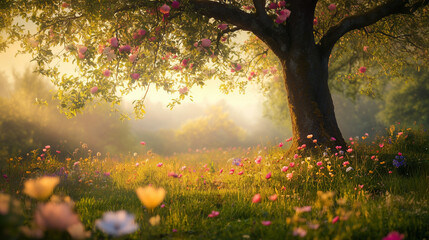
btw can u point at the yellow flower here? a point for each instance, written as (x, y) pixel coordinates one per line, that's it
(154, 220)
(41, 188)
(150, 197)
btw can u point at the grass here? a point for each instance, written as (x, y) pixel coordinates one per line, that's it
(370, 200)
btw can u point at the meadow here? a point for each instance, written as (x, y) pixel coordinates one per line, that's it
(377, 188)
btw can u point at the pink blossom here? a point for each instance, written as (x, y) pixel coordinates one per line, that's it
(289, 176)
(266, 223)
(223, 26)
(125, 48)
(159, 164)
(272, 5)
(299, 232)
(83, 49)
(282, 4)
(81, 55)
(132, 57)
(65, 5)
(135, 76)
(281, 144)
(332, 7)
(114, 42)
(172, 174)
(319, 164)
(349, 150)
(315, 22)
(362, 69)
(206, 42)
(381, 145)
(289, 139)
(303, 209)
(268, 176)
(335, 219)
(258, 160)
(284, 169)
(221, 170)
(365, 48)
(346, 163)
(295, 156)
(185, 62)
(283, 15)
(394, 236)
(106, 174)
(333, 139)
(94, 89)
(183, 90)
(373, 157)
(175, 4)
(257, 198)
(164, 9)
(107, 73)
(143, 143)
(292, 164)
(241, 173)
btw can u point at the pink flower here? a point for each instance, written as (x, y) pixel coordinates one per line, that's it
(125, 48)
(135, 76)
(221, 170)
(223, 26)
(159, 164)
(282, 4)
(295, 156)
(289, 139)
(183, 90)
(206, 42)
(319, 164)
(335, 219)
(56, 216)
(346, 163)
(332, 7)
(213, 214)
(106, 174)
(65, 5)
(83, 49)
(381, 145)
(266, 223)
(133, 57)
(143, 143)
(284, 168)
(362, 69)
(94, 90)
(394, 236)
(258, 160)
(315, 22)
(292, 164)
(289, 176)
(273, 197)
(268, 176)
(303, 209)
(283, 15)
(185, 62)
(241, 173)
(81, 55)
(299, 232)
(365, 48)
(349, 150)
(332, 139)
(272, 5)
(281, 144)
(107, 73)
(257, 198)
(114, 42)
(172, 174)
(164, 9)
(175, 4)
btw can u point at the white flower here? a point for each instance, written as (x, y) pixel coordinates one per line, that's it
(349, 169)
(117, 223)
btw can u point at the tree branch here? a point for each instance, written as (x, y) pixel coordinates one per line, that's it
(261, 13)
(372, 16)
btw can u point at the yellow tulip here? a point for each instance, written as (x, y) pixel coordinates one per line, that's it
(41, 188)
(150, 196)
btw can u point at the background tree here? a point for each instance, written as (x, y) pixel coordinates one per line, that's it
(119, 46)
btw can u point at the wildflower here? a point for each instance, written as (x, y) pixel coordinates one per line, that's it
(258, 160)
(213, 214)
(41, 188)
(94, 90)
(272, 5)
(310, 136)
(335, 219)
(295, 156)
(399, 161)
(332, 7)
(365, 48)
(362, 69)
(143, 143)
(315, 22)
(154, 220)
(117, 223)
(266, 223)
(282, 16)
(159, 164)
(299, 232)
(282, 4)
(332, 139)
(77, 231)
(292, 164)
(285, 168)
(319, 163)
(289, 139)
(206, 42)
(299, 210)
(257, 198)
(281, 144)
(65, 5)
(273, 197)
(107, 174)
(165, 9)
(221, 170)
(150, 197)
(349, 169)
(55, 216)
(125, 48)
(241, 173)
(349, 150)
(289, 176)
(175, 4)
(268, 176)
(346, 163)
(394, 236)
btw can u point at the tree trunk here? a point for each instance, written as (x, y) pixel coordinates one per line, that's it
(305, 71)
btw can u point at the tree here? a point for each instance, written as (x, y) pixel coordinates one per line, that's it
(176, 44)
